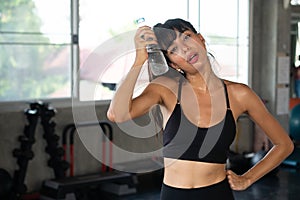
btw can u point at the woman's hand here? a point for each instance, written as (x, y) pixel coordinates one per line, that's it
(237, 182)
(144, 36)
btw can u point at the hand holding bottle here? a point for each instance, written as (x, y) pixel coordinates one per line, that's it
(144, 36)
(157, 62)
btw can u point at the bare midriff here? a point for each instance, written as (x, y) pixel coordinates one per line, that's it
(192, 174)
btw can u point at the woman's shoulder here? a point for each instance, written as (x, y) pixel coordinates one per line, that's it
(240, 92)
(237, 87)
(241, 96)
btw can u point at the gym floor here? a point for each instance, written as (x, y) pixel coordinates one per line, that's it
(284, 185)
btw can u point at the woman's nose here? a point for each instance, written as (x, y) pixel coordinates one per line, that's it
(184, 47)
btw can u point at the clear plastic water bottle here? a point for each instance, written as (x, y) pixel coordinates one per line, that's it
(156, 60)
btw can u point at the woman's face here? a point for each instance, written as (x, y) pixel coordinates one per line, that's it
(187, 51)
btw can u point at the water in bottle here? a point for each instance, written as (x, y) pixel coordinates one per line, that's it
(156, 60)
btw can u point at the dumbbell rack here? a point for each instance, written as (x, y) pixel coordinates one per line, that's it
(37, 111)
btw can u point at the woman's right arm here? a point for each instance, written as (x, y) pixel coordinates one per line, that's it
(123, 107)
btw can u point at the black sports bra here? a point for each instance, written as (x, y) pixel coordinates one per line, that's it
(185, 141)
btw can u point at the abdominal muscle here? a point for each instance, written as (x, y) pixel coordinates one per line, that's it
(192, 174)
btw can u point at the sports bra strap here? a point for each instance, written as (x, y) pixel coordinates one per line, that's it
(226, 95)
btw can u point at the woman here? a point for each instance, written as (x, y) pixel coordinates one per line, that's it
(199, 112)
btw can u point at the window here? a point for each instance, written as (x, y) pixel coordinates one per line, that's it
(295, 2)
(38, 60)
(226, 27)
(34, 50)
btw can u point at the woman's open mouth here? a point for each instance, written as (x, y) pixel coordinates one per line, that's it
(193, 58)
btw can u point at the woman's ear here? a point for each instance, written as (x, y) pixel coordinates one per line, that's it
(173, 65)
(176, 67)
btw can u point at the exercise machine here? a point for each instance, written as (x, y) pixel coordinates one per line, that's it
(80, 187)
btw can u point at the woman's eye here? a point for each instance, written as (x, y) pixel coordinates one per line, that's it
(186, 37)
(173, 50)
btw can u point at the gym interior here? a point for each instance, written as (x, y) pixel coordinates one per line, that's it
(57, 146)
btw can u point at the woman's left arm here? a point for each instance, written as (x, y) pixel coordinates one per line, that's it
(282, 144)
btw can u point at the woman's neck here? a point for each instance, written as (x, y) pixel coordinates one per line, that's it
(203, 81)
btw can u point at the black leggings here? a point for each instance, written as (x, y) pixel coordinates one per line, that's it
(216, 191)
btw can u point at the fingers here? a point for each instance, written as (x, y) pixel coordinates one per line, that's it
(146, 33)
(237, 182)
(229, 172)
(145, 36)
(231, 179)
(141, 40)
